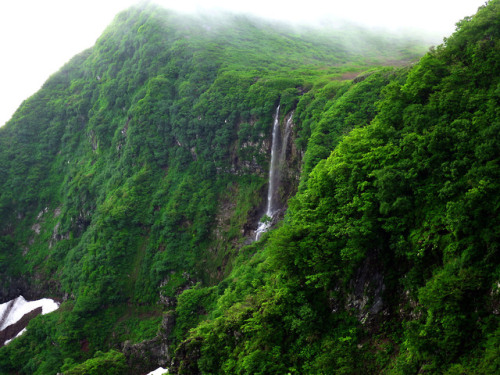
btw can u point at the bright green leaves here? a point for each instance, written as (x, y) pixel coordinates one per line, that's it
(112, 363)
(451, 319)
(193, 305)
(423, 79)
(343, 106)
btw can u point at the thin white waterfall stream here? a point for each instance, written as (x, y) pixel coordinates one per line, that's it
(273, 168)
(271, 193)
(284, 141)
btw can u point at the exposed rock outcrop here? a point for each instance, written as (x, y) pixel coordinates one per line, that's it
(186, 357)
(150, 354)
(11, 287)
(367, 290)
(12, 330)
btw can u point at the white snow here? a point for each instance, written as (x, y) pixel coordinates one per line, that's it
(159, 371)
(21, 307)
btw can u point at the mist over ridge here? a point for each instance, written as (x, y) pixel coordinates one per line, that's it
(35, 30)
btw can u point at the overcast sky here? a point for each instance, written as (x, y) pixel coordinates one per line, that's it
(38, 36)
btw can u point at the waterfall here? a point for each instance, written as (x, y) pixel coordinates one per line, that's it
(273, 168)
(277, 158)
(284, 143)
(271, 190)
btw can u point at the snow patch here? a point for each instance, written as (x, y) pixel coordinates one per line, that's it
(159, 371)
(10, 312)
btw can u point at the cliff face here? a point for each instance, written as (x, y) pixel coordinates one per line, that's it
(132, 185)
(135, 145)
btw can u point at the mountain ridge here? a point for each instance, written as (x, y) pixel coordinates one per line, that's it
(132, 183)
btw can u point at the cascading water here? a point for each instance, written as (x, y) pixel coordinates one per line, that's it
(272, 190)
(284, 142)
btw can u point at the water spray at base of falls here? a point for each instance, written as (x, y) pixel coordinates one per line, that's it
(278, 155)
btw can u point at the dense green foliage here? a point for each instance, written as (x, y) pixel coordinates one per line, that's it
(412, 198)
(129, 181)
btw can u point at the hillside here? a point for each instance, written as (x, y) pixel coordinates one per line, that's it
(132, 186)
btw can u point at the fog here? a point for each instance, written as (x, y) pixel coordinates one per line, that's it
(433, 16)
(38, 37)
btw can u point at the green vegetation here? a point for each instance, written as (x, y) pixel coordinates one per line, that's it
(112, 362)
(130, 182)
